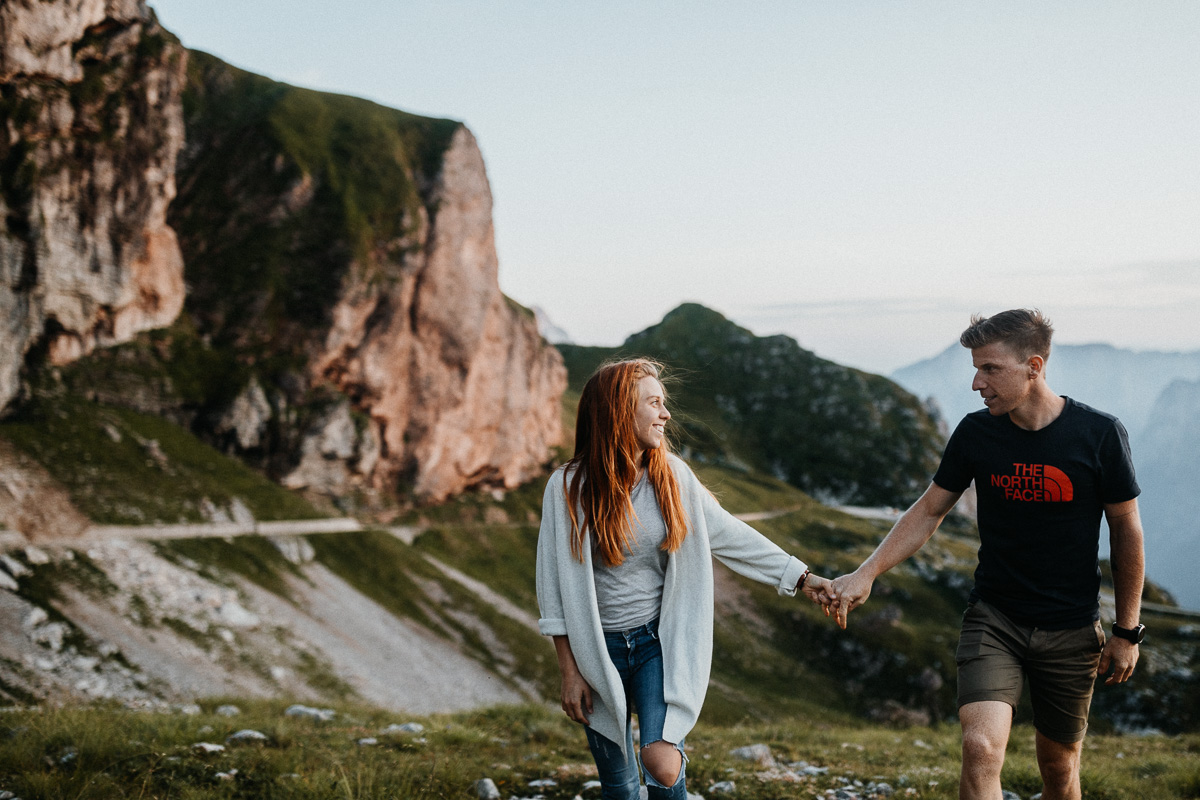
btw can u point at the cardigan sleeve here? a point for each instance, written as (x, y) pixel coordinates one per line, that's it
(745, 550)
(551, 618)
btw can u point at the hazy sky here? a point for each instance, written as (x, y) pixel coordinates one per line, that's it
(862, 176)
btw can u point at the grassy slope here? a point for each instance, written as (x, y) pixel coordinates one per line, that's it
(773, 657)
(124, 467)
(119, 753)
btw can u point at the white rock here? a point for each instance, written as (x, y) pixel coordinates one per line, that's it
(247, 417)
(320, 714)
(246, 735)
(50, 635)
(36, 617)
(190, 710)
(723, 787)
(543, 783)
(235, 616)
(758, 753)
(591, 785)
(208, 748)
(368, 741)
(408, 727)
(296, 549)
(240, 512)
(12, 566)
(227, 776)
(227, 711)
(36, 555)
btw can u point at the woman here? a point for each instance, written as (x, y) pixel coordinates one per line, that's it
(625, 583)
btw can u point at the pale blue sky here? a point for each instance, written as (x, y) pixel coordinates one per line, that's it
(862, 176)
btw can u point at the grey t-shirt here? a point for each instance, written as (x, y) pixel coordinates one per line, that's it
(630, 595)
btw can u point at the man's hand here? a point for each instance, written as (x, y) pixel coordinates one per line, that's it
(818, 590)
(576, 696)
(850, 592)
(1120, 656)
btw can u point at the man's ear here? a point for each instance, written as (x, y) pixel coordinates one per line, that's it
(1036, 365)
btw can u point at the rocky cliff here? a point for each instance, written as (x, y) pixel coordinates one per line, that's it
(343, 328)
(342, 267)
(92, 122)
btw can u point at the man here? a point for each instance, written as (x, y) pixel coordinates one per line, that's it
(1045, 467)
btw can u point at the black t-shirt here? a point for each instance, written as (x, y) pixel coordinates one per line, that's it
(1041, 496)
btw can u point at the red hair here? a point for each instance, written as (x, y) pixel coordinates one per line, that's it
(605, 465)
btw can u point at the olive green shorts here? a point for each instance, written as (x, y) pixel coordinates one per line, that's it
(995, 654)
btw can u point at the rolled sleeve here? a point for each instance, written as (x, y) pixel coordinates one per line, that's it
(792, 574)
(552, 620)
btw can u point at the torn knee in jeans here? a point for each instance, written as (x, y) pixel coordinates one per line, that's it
(663, 761)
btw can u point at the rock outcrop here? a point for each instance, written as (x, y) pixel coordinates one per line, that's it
(341, 256)
(92, 122)
(455, 377)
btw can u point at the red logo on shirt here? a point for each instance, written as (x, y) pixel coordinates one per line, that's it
(1035, 483)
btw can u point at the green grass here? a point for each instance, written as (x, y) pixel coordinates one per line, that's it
(139, 754)
(124, 467)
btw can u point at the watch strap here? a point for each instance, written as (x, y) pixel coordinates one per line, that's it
(1135, 634)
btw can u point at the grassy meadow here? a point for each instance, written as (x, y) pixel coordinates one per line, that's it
(109, 752)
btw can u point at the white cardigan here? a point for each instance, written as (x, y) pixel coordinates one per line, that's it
(566, 595)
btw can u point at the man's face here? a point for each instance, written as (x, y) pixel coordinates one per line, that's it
(1001, 377)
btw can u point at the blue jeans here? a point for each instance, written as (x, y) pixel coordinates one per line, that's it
(637, 656)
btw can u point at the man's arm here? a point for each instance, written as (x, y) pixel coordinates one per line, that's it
(1128, 572)
(906, 537)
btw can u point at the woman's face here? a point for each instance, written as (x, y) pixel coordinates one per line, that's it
(652, 414)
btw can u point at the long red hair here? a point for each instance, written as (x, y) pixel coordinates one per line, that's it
(605, 465)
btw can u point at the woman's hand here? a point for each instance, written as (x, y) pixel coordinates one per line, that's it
(576, 694)
(820, 591)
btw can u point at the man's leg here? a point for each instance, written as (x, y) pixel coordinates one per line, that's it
(1062, 674)
(985, 728)
(1059, 764)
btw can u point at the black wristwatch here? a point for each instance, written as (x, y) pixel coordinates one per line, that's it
(1134, 635)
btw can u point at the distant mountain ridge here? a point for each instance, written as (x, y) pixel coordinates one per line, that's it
(1155, 394)
(835, 432)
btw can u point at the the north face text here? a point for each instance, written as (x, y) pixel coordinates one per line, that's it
(1035, 483)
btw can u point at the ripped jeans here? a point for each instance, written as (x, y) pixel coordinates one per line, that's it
(637, 656)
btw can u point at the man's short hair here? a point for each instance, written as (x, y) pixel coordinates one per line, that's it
(1026, 332)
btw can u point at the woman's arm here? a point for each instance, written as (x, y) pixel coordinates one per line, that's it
(575, 691)
(551, 619)
(745, 550)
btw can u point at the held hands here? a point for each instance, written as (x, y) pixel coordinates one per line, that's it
(838, 596)
(817, 590)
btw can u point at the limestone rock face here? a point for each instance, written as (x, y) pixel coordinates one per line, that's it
(90, 125)
(341, 255)
(459, 382)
